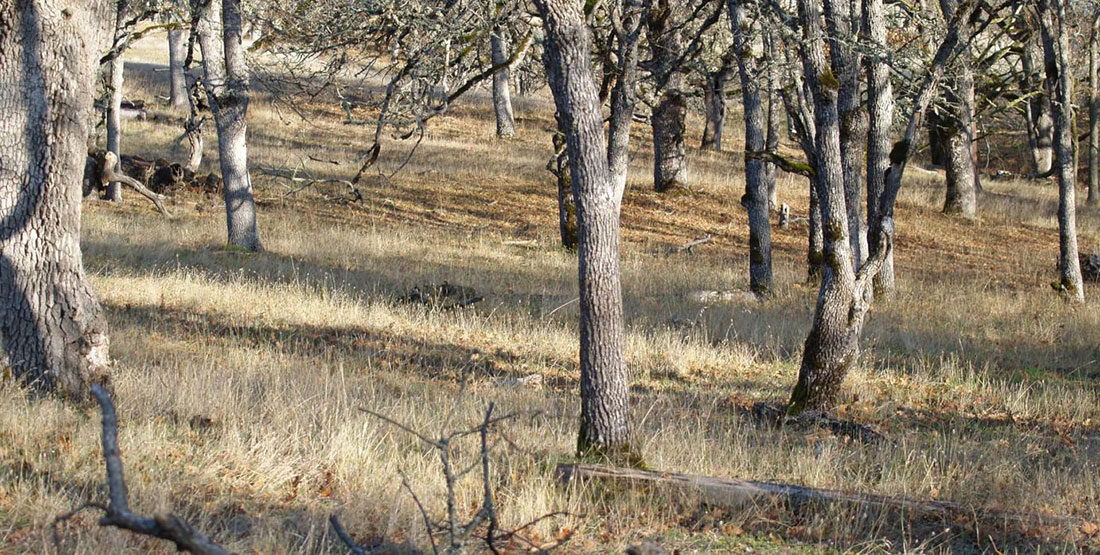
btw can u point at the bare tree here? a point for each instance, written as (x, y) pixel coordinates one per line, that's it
(502, 95)
(1059, 82)
(757, 186)
(115, 69)
(605, 425)
(880, 100)
(953, 129)
(664, 24)
(51, 324)
(177, 82)
(832, 346)
(1094, 110)
(226, 80)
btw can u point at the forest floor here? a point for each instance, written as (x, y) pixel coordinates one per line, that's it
(239, 377)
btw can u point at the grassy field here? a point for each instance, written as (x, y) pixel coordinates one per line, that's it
(239, 377)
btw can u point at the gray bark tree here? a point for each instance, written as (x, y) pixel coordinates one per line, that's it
(51, 324)
(842, 19)
(114, 120)
(756, 198)
(177, 80)
(502, 94)
(670, 114)
(1037, 110)
(880, 101)
(626, 18)
(605, 424)
(1059, 82)
(1094, 112)
(955, 128)
(225, 76)
(832, 346)
(714, 105)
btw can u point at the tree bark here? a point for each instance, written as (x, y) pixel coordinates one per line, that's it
(880, 100)
(1040, 123)
(670, 113)
(502, 95)
(957, 127)
(114, 121)
(624, 96)
(756, 184)
(714, 109)
(177, 82)
(775, 117)
(605, 426)
(51, 324)
(1059, 81)
(1094, 113)
(226, 81)
(842, 19)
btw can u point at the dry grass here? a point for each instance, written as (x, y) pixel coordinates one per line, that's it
(239, 377)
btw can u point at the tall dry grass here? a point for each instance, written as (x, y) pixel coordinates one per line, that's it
(239, 377)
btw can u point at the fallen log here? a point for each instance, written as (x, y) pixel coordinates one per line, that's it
(733, 493)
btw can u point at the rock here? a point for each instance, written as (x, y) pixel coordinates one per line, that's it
(444, 295)
(648, 547)
(1090, 267)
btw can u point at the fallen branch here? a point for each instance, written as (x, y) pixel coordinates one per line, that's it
(111, 174)
(690, 245)
(117, 511)
(785, 164)
(732, 493)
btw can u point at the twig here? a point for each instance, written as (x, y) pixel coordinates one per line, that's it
(345, 537)
(563, 305)
(117, 512)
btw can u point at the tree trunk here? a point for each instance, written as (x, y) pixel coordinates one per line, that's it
(114, 121)
(567, 210)
(775, 117)
(1040, 123)
(756, 186)
(1094, 113)
(669, 168)
(502, 96)
(714, 110)
(226, 81)
(624, 94)
(177, 82)
(958, 127)
(1059, 80)
(605, 425)
(833, 343)
(51, 324)
(842, 19)
(668, 120)
(880, 100)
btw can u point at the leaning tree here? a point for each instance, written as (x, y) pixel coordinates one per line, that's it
(53, 328)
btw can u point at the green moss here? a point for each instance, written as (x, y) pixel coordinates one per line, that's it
(829, 81)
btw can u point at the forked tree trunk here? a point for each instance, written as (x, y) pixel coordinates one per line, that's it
(832, 346)
(756, 185)
(957, 127)
(605, 425)
(714, 109)
(51, 325)
(1059, 80)
(114, 120)
(880, 100)
(833, 343)
(226, 81)
(670, 113)
(177, 80)
(1094, 113)
(502, 95)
